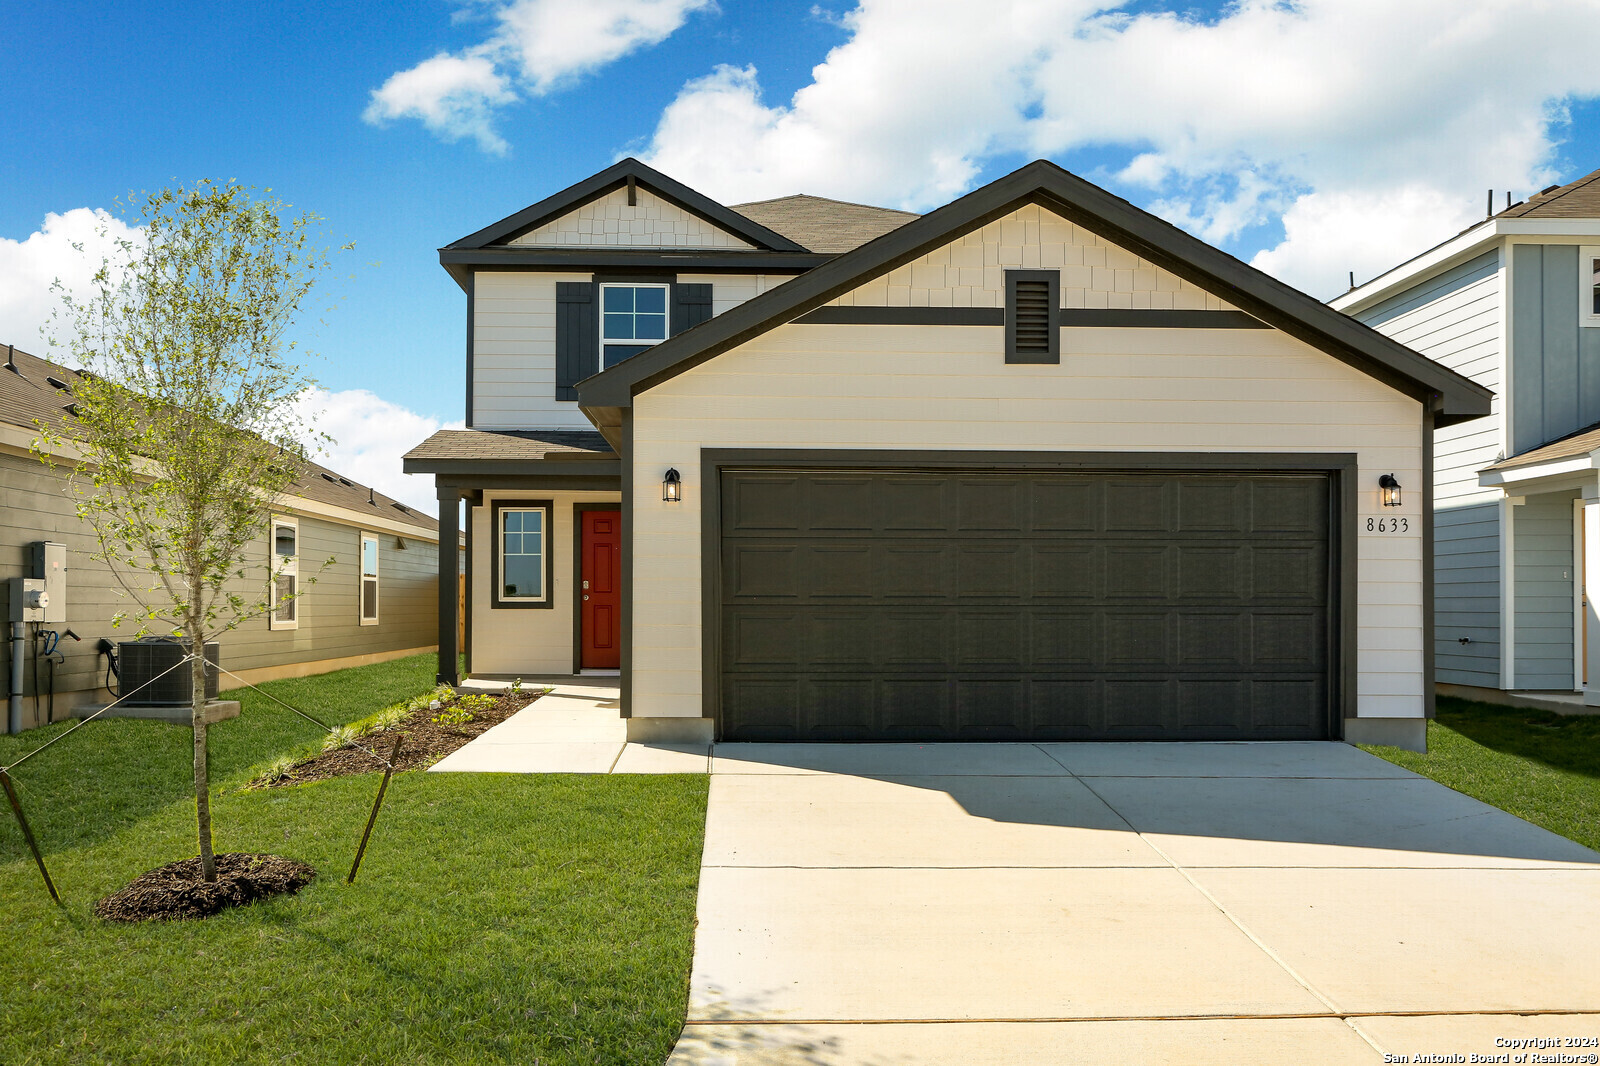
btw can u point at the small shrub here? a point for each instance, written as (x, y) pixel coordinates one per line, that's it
(390, 717)
(453, 716)
(516, 687)
(477, 702)
(338, 737)
(278, 769)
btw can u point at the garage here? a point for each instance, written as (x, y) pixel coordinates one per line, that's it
(980, 604)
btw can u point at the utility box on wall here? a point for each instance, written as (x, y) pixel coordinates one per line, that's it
(48, 563)
(28, 600)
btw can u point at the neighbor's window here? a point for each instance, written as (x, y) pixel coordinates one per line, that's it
(1589, 285)
(285, 562)
(522, 557)
(369, 579)
(632, 318)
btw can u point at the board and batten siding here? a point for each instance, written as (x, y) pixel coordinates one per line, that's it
(514, 343)
(1454, 318)
(519, 640)
(37, 509)
(948, 388)
(1555, 362)
(1542, 549)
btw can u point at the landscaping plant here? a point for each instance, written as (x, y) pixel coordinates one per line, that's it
(187, 421)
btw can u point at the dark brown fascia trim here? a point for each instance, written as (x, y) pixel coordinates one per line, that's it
(634, 173)
(587, 259)
(513, 483)
(1115, 219)
(496, 603)
(609, 466)
(1342, 467)
(1077, 317)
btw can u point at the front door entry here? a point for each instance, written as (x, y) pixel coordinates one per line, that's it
(600, 590)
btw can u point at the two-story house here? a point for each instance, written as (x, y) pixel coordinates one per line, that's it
(1035, 465)
(1513, 303)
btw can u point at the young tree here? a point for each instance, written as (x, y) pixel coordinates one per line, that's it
(186, 422)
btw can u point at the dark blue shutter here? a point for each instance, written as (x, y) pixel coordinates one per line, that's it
(577, 339)
(690, 307)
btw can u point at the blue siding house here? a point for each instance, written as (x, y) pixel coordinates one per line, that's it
(1514, 304)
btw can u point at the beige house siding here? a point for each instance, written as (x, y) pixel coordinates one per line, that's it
(650, 223)
(514, 344)
(35, 508)
(526, 641)
(948, 388)
(970, 272)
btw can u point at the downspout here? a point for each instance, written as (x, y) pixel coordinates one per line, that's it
(19, 635)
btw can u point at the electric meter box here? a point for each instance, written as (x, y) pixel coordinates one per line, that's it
(49, 564)
(29, 601)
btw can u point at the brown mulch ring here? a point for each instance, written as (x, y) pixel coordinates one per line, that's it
(426, 742)
(176, 890)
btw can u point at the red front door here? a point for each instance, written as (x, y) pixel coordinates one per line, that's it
(600, 589)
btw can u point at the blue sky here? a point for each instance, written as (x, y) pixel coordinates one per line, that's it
(1312, 139)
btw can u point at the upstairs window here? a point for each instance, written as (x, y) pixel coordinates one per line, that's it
(369, 579)
(1589, 286)
(632, 318)
(285, 575)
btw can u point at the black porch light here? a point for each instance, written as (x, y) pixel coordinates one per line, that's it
(1389, 489)
(672, 486)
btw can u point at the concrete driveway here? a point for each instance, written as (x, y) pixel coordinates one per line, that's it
(1128, 903)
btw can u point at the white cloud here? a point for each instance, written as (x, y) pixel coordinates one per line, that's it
(454, 96)
(29, 267)
(1370, 128)
(370, 434)
(538, 46)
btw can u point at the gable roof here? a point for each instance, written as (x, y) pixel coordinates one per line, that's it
(1576, 199)
(614, 177)
(824, 225)
(1456, 398)
(29, 392)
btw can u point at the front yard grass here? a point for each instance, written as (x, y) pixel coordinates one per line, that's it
(1540, 766)
(529, 919)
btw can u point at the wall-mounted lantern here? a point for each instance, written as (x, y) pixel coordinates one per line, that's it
(1389, 489)
(672, 487)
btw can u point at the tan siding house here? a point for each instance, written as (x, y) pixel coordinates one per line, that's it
(1034, 466)
(328, 514)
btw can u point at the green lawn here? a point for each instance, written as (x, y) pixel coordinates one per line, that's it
(1539, 766)
(539, 919)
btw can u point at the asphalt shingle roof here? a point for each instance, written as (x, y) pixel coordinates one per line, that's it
(518, 444)
(27, 394)
(1577, 199)
(822, 225)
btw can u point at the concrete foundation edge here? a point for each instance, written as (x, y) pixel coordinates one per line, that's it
(1501, 698)
(670, 730)
(216, 711)
(1408, 733)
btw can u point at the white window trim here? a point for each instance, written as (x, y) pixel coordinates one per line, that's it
(277, 567)
(666, 334)
(545, 571)
(362, 579)
(1586, 285)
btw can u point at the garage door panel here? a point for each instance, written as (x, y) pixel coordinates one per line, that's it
(1060, 606)
(1137, 573)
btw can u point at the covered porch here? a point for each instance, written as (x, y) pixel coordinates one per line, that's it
(542, 574)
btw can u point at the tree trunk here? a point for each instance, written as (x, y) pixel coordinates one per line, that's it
(202, 780)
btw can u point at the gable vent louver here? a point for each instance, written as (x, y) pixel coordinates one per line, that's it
(1033, 318)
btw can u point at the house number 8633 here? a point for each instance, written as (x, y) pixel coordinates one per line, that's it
(1388, 525)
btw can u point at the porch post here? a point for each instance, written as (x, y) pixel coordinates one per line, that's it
(449, 584)
(1591, 595)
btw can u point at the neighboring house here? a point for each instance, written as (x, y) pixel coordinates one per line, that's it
(377, 600)
(1036, 465)
(1514, 303)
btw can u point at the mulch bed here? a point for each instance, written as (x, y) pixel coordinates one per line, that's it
(176, 890)
(426, 742)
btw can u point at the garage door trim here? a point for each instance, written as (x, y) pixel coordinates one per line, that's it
(1340, 467)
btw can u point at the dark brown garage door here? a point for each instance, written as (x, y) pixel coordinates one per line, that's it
(962, 606)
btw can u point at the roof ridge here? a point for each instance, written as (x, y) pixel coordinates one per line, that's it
(824, 199)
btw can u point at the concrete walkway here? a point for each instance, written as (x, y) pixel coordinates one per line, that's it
(1127, 903)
